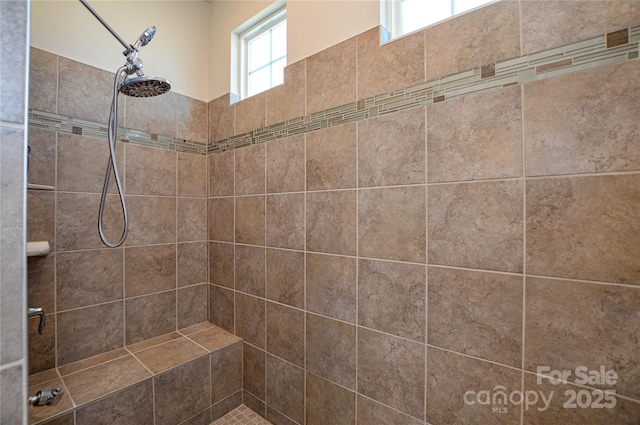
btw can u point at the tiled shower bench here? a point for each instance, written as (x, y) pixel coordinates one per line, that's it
(189, 377)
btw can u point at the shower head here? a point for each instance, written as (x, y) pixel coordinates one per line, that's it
(144, 86)
(145, 38)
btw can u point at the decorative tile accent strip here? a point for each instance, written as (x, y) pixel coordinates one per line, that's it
(614, 47)
(64, 124)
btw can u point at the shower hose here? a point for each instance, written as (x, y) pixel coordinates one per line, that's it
(113, 164)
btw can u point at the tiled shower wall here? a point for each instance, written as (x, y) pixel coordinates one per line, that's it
(14, 70)
(98, 299)
(378, 270)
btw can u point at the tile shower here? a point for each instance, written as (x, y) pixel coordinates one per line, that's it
(376, 267)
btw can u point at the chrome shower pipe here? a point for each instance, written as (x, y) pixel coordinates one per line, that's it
(129, 47)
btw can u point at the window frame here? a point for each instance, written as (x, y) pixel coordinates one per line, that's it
(391, 16)
(243, 35)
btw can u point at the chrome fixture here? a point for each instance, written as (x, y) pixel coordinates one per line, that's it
(46, 397)
(37, 312)
(138, 86)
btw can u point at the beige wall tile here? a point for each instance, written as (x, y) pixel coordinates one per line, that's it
(192, 175)
(585, 122)
(152, 220)
(331, 222)
(572, 324)
(222, 117)
(221, 174)
(43, 81)
(250, 170)
(151, 171)
(250, 269)
(221, 307)
(82, 163)
(254, 370)
(475, 137)
(285, 221)
(221, 267)
(226, 372)
(286, 101)
(476, 313)
(391, 149)
(192, 119)
(476, 225)
(370, 412)
(584, 228)
(192, 219)
(331, 286)
(278, 418)
(93, 383)
(150, 316)
(285, 333)
(156, 115)
(337, 63)
(225, 406)
(250, 220)
(388, 67)
(451, 375)
(285, 277)
(327, 403)
(547, 24)
(192, 305)
(189, 389)
(86, 278)
(251, 113)
(285, 388)
(42, 158)
(625, 412)
(250, 319)
(253, 403)
(41, 221)
(133, 404)
(41, 274)
(86, 92)
(331, 350)
(42, 348)
(484, 36)
(331, 158)
(285, 164)
(76, 220)
(192, 263)
(221, 219)
(89, 331)
(392, 224)
(392, 298)
(392, 370)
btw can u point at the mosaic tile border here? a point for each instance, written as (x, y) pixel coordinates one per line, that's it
(65, 124)
(611, 48)
(615, 47)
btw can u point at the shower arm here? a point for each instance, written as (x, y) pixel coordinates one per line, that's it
(130, 48)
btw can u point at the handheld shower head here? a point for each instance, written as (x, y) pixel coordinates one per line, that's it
(145, 37)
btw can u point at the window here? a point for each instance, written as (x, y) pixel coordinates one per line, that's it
(405, 16)
(261, 52)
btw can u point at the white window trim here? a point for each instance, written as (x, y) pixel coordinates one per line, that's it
(268, 18)
(391, 17)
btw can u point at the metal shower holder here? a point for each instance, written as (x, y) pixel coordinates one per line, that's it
(137, 86)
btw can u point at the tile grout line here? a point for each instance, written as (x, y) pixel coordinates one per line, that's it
(524, 248)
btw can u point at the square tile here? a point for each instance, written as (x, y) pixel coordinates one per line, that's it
(476, 313)
(476, 225)
(584, 228)
(392, 298)
(331, 222)
(392, 223)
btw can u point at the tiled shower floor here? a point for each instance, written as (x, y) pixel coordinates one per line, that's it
(241, 415)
